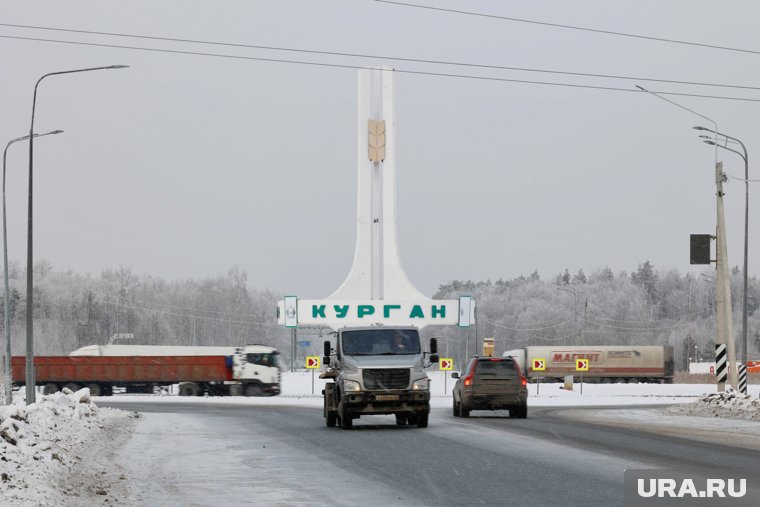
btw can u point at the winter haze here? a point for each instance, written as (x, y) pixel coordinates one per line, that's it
(184, 165)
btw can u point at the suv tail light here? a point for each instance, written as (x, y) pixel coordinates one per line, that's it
(524, 381)
(468, 378)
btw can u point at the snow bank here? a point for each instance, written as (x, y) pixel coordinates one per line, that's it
(730, 404)
(42, 446)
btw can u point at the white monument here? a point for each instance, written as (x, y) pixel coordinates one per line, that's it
(376, 290)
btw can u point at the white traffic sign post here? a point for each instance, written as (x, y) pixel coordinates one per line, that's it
(581, 365)
(539, 365)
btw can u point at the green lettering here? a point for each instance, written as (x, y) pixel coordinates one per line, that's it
(439, 311)
(365, 310)
(341, 311)
(318, 311)
(387, 310)
(417, 313)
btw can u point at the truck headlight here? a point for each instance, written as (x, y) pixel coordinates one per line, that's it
(351, 386)
(422, 384)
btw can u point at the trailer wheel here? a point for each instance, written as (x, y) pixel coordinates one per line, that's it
(50, 389)
(71, 386)
(95, 389)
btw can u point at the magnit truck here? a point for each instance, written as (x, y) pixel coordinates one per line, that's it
(377, 370)
(607, 363)
(253, 370)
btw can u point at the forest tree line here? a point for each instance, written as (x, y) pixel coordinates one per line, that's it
(644, 307)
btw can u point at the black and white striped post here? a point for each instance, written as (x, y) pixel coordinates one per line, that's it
(743, 378)
(721, 366)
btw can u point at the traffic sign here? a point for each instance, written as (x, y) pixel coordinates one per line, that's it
(581, 364)
(446, 363)
(313, 362)
(539, 364)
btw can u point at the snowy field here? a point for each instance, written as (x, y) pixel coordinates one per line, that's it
(61, 451)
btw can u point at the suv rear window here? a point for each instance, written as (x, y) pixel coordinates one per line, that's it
(498, 368)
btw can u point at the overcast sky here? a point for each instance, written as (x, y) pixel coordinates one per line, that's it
(183, 166)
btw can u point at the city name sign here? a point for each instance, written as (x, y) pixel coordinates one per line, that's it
(337, 314)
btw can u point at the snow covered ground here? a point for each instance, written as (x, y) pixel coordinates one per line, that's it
(56, 451)
(61, 450)
(297, 390)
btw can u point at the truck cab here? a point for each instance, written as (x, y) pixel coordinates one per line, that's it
(378, 370)
(257, 369)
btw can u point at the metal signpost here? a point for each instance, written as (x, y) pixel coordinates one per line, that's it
(581, 365)
(539, 365)
(445, 364)
(313, 363)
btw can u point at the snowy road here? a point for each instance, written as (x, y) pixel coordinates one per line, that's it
(217, 454)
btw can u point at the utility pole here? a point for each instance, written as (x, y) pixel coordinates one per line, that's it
(723, 290)
(585, 321)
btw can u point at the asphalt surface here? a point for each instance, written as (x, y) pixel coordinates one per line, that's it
(212, 454)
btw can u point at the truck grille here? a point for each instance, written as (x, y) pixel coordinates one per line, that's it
(396, 378)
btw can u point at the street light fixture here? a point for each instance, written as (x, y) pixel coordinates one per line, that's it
(30, 384)
(745, 157)
(8, 379)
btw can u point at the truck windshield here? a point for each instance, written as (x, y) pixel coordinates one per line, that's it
(264, 359)
(379, 342)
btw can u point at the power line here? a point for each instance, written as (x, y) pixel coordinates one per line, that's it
(139, 306)
(400, 71)
(539, 326)
(378, 57)
(741, 179)
(571, 27)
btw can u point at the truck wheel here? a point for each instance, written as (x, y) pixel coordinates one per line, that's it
(402, 419)
(346, 422)
(331, 419)
(189, 389)
(253, 390)
(50, 389)
(95, 389)
(422, 420)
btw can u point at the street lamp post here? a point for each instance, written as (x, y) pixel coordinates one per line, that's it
(724, 327)
(745, 157)
(30, 384)
(8, 379)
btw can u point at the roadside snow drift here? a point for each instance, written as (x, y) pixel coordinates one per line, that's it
(729, 404)
(43, 445)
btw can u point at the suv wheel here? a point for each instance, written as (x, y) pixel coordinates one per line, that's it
(455, 408)
(519, 411)
(462, 411)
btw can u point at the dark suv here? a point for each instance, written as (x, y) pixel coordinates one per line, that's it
(491, 383)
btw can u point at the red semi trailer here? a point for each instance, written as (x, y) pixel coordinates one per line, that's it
(195, 374)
